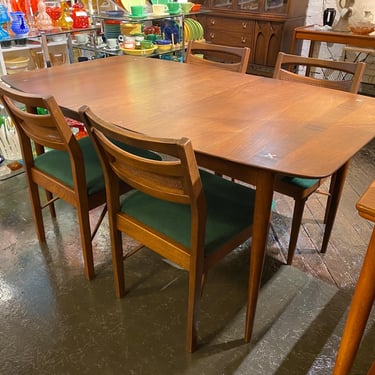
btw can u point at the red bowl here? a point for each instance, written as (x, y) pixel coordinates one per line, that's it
(196, 8)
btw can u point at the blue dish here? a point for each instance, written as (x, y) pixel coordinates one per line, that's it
(114, 13)
(169, 28)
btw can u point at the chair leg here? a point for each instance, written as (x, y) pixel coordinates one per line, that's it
(37, 211)
(372, 369)
(195, 291)
(85, 232)
(52, 210)
(299, 206)
(117, 261)
(203, 281)
(101, 217)
(329, 199)
(336, 188)
(359, 312)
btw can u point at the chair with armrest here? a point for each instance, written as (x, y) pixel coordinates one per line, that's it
(71, 170)
(364, 295)
(230, 58)
(300, 189)
(189, 216)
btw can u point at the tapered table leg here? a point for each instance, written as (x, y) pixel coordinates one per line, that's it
(363, 297)
(263, 204)
(337, 185)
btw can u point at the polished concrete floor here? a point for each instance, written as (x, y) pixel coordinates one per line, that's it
(53, 321)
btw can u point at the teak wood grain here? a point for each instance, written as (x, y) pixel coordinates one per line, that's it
(364, 294)
(244, 126)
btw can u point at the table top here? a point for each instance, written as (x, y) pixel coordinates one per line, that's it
(310, 32)
(246, 120)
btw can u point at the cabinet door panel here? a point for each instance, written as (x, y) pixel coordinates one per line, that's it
(248, 5)
(267, 42)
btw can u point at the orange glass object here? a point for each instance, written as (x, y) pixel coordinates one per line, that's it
(25, 6)
(17, 6)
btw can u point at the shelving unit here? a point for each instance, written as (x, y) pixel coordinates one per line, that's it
(150, 20)
(44, 43)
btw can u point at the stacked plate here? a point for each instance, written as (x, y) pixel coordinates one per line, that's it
(112, 29)
(193, 30)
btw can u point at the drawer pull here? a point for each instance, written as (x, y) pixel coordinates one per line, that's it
(212, 35)
(212, 21)
(244, 25)
(243, 39)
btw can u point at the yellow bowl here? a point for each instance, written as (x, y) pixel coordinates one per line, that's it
(15, 71)
(17, 62)
(164, 48)
(130, 28)
(139, 52)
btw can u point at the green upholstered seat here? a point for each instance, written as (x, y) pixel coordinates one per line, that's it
(304, 183)
(57, 163)
(230, 209)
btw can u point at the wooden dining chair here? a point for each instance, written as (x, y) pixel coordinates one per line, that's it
(364, 295)
(70, 170)
(189, 216)
(230, 58)
(300, 189)
(288, 67)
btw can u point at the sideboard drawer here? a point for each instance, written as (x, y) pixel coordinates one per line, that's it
(229, 24)
(229, 38)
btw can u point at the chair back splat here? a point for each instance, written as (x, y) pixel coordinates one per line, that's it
(189, 216)
(349, 73)
(230, 58)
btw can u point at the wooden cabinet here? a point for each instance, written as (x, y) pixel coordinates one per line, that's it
(265, 26)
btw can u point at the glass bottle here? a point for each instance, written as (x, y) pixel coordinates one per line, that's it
(53, 9)
(66, 20)
(4, 18)
(19, 25)
(80, 16)
(43, 20)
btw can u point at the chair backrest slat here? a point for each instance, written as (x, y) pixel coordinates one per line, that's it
(175, 179)
(286, 66)
(230, 58)
(45, 129)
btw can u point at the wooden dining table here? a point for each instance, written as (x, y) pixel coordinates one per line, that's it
(247, 127)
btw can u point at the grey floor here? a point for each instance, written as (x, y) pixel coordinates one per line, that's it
(53, 321)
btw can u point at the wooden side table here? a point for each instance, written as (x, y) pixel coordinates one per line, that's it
(340, 37)
(363, 297)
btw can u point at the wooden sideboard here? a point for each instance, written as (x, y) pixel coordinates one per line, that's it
(265, 26)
